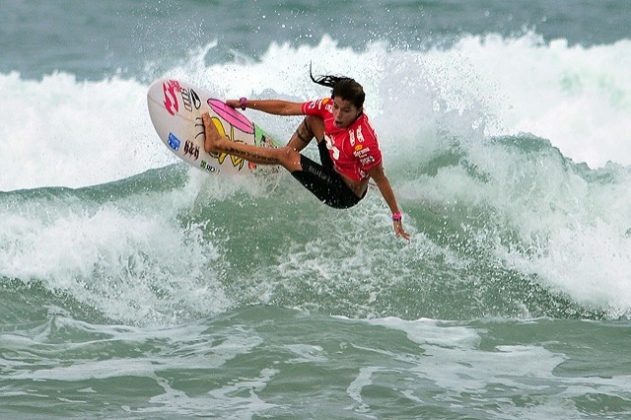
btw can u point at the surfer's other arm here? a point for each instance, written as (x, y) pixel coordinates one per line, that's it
(379, 176)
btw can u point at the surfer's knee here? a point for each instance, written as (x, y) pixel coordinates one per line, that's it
(303, 134)
(315, 125)
(289, 158)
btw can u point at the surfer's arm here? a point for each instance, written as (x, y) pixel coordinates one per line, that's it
(270, 106)
(379, 176)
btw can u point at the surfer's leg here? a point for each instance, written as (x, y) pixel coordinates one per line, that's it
(325, 157)
(327, 185)
(309, 128)
(215, 143)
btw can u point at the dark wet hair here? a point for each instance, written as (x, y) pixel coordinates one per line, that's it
(344, 87)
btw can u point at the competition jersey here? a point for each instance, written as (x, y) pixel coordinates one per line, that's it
(354, 150)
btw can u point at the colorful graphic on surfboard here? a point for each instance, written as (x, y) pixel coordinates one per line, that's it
(175, 109)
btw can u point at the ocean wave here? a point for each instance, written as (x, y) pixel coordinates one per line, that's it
(483, 143)
(67, 132)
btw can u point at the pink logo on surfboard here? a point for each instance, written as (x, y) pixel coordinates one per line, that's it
(170, 98)
(231, 115)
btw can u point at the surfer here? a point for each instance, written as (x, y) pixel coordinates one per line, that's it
(348, 146)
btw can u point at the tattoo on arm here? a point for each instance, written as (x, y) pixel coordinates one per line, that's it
(247, 155)
(304, 132)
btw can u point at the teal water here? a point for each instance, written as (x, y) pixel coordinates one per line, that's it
(263, 362)
(134, 286)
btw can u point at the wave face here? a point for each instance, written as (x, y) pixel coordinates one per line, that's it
(510, 172)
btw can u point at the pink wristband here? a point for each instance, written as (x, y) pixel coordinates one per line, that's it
(396, 217)
(243, 101)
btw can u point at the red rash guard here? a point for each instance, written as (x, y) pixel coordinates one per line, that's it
(354, 150)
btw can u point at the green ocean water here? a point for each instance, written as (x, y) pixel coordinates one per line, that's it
(269, 362)
(134, 286)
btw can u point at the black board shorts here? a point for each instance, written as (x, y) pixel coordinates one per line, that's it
(324, 182)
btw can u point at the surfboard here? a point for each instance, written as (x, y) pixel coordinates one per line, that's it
(175, 109)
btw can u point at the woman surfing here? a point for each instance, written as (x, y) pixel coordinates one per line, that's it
(348, 146)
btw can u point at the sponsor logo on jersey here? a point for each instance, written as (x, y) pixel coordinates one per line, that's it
(362, 152)
(319, 103)
(356, 136)
(367, 160)
(359, 134)
(328, 104)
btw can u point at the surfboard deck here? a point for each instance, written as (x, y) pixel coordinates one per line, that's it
(175, 109)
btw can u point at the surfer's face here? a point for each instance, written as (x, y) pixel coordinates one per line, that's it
(344, 112)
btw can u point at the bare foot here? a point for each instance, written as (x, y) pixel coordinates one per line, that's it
(213, 138)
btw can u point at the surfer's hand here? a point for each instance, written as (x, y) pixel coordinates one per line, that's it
(233, 103)
(398, 230)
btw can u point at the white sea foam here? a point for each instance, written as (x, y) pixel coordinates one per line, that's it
(63, 131)
(130, 259)
(60, 131)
